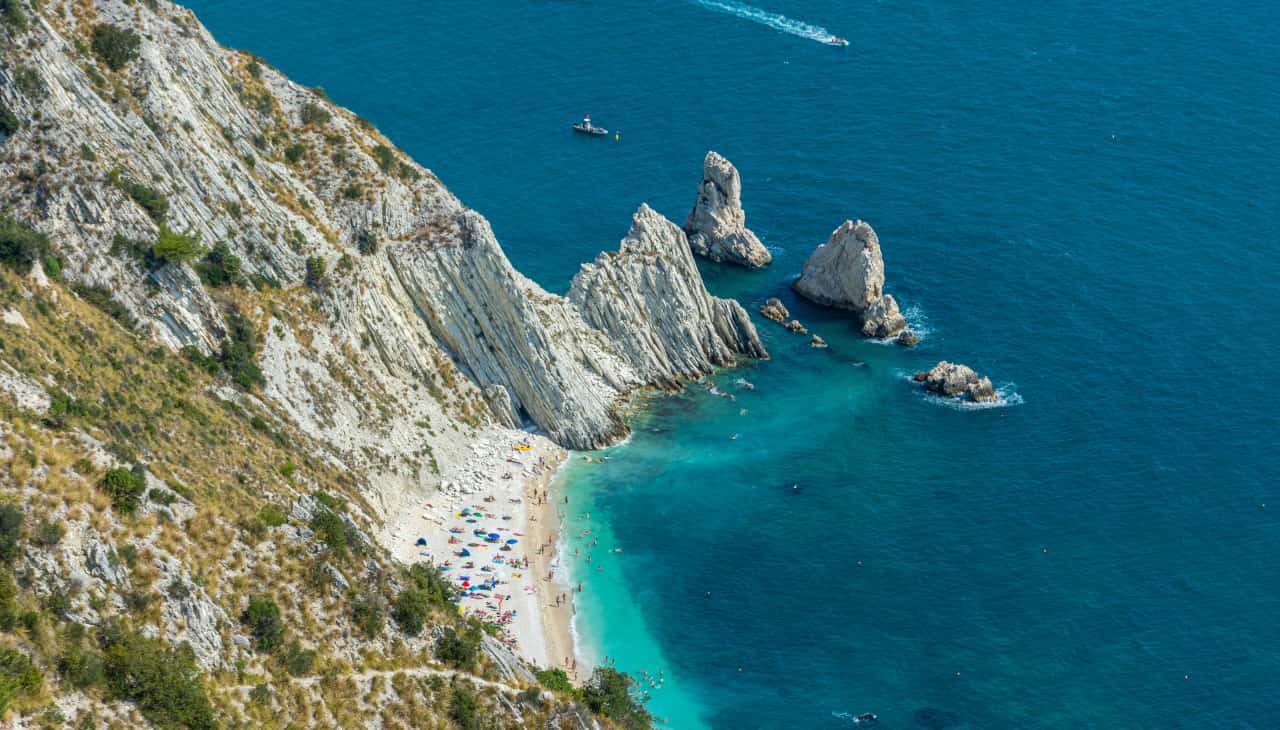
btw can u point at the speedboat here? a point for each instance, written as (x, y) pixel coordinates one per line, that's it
(866, 717)
(836, 40)
(586, 127)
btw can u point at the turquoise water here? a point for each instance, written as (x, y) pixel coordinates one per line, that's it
(1077, 199)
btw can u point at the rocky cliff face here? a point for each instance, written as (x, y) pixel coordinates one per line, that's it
(847, 272)
(717, 224)
(649, 298)
(418, 306)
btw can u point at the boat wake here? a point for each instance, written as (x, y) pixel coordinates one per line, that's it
(777, 21)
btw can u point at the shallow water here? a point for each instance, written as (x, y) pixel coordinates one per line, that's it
(1078, 200)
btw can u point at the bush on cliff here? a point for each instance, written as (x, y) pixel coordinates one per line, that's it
(115, 46)
(18, 677)
(125, 488)
(11, 519)
(9, 122)
(21, 246)
(262, 617)
(459, 648)
(609, 693)
(165, 683)
(172, 247)
(152, 201)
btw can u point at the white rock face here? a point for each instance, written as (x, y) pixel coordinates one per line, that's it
(408, 350)
(847, 272)
(650, 300)
(717, 224)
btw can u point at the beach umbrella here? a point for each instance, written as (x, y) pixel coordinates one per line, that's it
(466, 584)
(421, 541)
(494, 536)
(512, 541)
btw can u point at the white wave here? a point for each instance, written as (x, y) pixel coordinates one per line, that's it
(777, 21)
(917, 322)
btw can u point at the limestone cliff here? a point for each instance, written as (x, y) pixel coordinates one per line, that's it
(370, 283)
(649, 298)
(847, 272)
(717, 224)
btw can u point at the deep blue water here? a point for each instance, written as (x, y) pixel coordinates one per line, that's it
(1078, 199)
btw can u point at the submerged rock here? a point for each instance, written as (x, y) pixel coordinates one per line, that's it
(649, 299)
(817, 342)
(956, 380)
(717, 224)
(847, 272)
(795, 326)
(774, 309)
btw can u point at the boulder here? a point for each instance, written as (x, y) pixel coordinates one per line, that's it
(795, 326)
(717, 224)
(774, 309)
(847, 272)
(907, 338)
(955, 380)
(817, 342)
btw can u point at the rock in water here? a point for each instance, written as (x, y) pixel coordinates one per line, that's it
(717, 224)
(774, 309)
(956, 380)
(648, 297)
(817, 342)
(907, 338)
(847, 272)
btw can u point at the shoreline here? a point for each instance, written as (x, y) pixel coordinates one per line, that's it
(551, 574)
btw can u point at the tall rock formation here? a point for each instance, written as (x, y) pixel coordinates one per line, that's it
(847, 272)
(717, 224)
(649, 298)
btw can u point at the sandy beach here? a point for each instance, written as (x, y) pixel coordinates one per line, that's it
(492, 528)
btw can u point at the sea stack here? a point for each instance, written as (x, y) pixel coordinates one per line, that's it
(717, 224)
(847, 272)
(957, 381)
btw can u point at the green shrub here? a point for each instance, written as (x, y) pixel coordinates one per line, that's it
(100, 297)
(115, 46)
(62, 406)
(288, 469)
(11, 15)
(125, 489)
(11, 518)
(609, 693)
(385, 158)
(297, 660)
(459, 648)
(18, 677)
(172, 247)
(464, 708)
(238, 352)
(367, 242)
(152, 201)
(366, 614)
(9, 122)
(424, 576)
(272, 516)
(165, 683)
(86, 152)
(316, 268)
(254, 68)
(53, 267)
(328, 500)
(262, 617)
(332, 530)
(555, 680)
(28, 81)
(82, 669)
(161, 496)
(293, 153)
(315, 114)
(8, 604)
(412, 608)
(21, 246)
(220, 267)
(48, 533)
(260, 694)
(351, 192)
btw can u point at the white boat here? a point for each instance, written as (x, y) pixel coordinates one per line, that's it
(836, 40)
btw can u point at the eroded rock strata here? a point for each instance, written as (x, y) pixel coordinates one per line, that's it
(717, 226)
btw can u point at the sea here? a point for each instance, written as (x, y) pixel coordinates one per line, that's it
(1077, 199)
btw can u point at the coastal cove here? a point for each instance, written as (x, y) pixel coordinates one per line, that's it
(1078, 202)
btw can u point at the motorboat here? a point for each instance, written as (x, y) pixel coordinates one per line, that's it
(586, 127)
(836, 40)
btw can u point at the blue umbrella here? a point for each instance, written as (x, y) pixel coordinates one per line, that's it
(512, 541)
(494, 536)
(421, 541)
